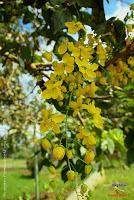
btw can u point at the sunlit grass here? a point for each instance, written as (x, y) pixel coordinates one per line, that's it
(13, 163)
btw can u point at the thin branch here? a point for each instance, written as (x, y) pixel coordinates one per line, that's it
(46, 75)
(81, 119)
(103, 97)
(41, 66)
(129, 50)
(31, 91)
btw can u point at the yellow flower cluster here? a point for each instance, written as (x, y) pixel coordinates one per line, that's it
(54, 88)
(101, 51)
(50, 121)
(87, 138)
(74, 27)
(97, 119)
(75, 74)
(120, 72)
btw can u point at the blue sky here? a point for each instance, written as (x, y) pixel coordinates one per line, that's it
(113, 5)
(117, 8)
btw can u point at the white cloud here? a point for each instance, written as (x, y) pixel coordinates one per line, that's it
(120, 12)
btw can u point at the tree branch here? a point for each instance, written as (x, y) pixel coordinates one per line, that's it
(81, 119)
(123, 54)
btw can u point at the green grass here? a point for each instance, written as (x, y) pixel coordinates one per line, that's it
(118, 175)
(13, 163)
(18, 182)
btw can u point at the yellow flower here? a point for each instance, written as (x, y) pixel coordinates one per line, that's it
(76, 52)
(45, 126)
(71, 175)
(131, 61)
(103, 81)
(80, 91)
(55, 127)
(69, 154)
(83, 132)
(48, 56)
(82, 64)
(45, 144)
(46, 113)
(76, 105)
(69, 62)
(58, 152)
(91, 108)
(86, 52)
(71, 78)
(89, 75)
(89, 157)
(88, 169)
(70, 46)
(98, 121)
(50, 121)
(86, 69)
(89, 139)
(79, 135)
(131, 74)
(94, 66)
(101, 54)
(92, 89)
(57, 118)
(53, 89)
(62, 48)
(74, 27)
(58, 67)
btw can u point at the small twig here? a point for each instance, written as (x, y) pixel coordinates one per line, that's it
(46, 75)
(103, 97)
(121, 54)
(41, 66)
(31, 91)
(80, 119)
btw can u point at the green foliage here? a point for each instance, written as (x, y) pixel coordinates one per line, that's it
(112, 139)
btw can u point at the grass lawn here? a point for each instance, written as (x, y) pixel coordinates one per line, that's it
(13, 163)
(18, 181)
(120, 176)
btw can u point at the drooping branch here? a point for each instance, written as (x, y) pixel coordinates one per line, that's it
(123, 54)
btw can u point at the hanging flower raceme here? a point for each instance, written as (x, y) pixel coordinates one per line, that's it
(72, 89)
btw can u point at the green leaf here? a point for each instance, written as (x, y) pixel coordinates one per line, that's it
(83, 3)
(58, 19)
(104, 145)
(111, 145)
(86, 18)
(28, 17)
(25, 53)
